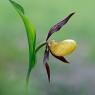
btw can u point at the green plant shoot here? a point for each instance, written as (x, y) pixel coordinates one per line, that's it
(57, 49)
(31, 35)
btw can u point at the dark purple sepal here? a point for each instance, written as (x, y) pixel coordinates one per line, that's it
(46, 55)
(59, 25)
(61, 58)
(45, 61)
(48, 71)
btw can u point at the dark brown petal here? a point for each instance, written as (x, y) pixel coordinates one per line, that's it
(48, 71)
(59, 57)
(46, 55)
(45, 61)
(59, 25)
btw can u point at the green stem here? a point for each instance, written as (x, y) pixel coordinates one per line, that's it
(41, 45)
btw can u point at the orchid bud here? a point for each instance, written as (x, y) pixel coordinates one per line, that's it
(62, 48)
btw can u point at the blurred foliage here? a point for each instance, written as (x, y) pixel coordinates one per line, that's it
(74, 79)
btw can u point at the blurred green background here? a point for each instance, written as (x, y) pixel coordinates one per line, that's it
(77, 78)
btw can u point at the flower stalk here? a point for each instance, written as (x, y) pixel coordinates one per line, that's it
(40, 46)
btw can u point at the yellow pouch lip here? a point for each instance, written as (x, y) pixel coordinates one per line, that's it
(62, 48)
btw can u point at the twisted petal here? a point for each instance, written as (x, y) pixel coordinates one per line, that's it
(48, 71)
(59, 25)
(61, 58)
(45, 61)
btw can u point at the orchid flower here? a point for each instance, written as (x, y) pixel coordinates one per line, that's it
(58, 49)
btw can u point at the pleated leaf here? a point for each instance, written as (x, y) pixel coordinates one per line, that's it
(31, 35)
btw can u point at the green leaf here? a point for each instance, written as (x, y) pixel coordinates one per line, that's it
(18, 7)
(31, 35)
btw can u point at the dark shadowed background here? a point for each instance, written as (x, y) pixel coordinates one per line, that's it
(77, 78)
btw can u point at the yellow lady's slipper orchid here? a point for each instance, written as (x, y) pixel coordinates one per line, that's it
(62, 48)
(57, 49)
